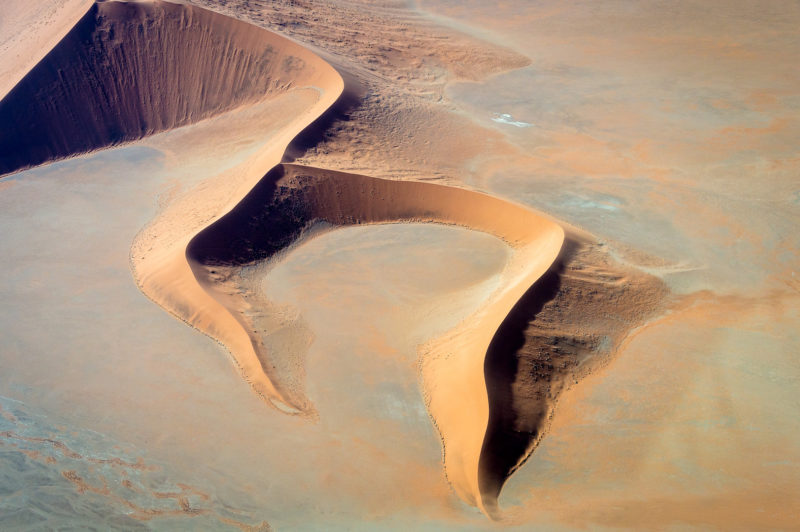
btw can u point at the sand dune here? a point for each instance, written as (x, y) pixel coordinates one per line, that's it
(528, 343)
(158, 255)
(128, 70)
(565, 327)
(261, 65)
(668, 131)
(291, 198)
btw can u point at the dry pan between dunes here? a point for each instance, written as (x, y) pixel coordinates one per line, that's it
(128, 70)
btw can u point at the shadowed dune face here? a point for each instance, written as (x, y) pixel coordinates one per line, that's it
(291, 197)
(127, 70)
(566, 326)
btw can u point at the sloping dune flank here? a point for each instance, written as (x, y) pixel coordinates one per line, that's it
(129, 70)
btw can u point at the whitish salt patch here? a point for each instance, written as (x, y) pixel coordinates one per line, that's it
(506, 118)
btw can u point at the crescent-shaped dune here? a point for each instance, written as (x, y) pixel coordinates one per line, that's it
(292, 198)
(128, 70)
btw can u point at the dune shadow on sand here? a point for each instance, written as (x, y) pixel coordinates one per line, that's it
(507, 444)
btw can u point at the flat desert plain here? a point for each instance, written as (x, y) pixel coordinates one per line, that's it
(399, 265)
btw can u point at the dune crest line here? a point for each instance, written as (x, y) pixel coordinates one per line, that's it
(129, 70)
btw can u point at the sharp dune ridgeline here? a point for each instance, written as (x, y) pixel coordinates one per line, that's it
(129, 70)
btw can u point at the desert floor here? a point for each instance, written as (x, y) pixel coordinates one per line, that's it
(668, 132)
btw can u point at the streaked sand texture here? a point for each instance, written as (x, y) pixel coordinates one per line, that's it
(578, 370)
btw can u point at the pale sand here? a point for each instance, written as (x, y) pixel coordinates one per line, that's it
(29, 30)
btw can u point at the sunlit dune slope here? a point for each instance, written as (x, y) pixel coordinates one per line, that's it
(305, 86)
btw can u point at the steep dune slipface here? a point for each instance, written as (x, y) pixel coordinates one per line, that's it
(292, 198)
(565, 327)
(129, 70)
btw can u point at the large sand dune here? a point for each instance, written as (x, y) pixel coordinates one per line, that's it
(129, 70)
(111, 93)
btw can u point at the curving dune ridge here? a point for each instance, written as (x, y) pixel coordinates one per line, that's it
(291, 198)
(129, 70)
